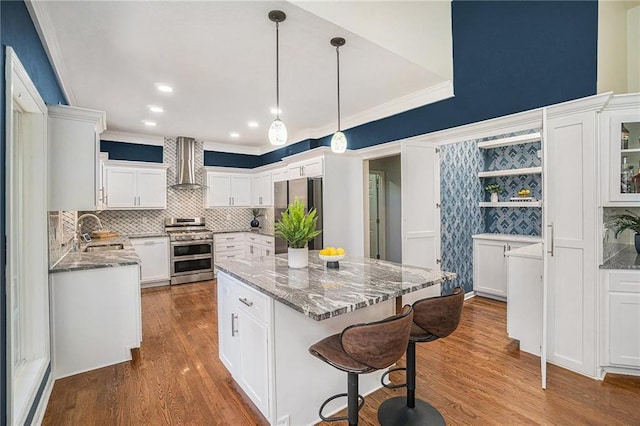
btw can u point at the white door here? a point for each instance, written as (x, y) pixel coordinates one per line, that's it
(241, 191)
(218, 191)
(152, 189)
(121, 187)
(154, 255)
(254, 362)
(420, 205)
(228, 340)
(624, 329)
(570, 240)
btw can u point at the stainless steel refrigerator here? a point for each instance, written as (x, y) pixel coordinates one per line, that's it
(309, 191)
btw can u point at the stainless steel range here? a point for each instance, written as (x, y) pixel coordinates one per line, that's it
(191, 250)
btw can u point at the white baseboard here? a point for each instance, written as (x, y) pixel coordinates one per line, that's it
(44, 401)
(469, 295)
(620, 370)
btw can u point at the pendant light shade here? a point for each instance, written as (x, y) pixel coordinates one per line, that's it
(277, 130)
(339, 140)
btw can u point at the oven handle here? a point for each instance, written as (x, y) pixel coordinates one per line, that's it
(191, 257)
(191, 243)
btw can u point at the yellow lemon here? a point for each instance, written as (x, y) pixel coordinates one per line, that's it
(332, 251)
(340, 251)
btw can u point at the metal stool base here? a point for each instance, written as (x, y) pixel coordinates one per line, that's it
(394, 412)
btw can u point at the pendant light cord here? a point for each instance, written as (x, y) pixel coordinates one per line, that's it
(338, 66)
(278, 70)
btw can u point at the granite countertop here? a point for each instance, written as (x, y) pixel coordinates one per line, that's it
(75, 261)
(249, 230)
(157, 234)
(627, 258)
(321, 293)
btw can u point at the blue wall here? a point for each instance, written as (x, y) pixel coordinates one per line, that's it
(132, 151)
(17, 31)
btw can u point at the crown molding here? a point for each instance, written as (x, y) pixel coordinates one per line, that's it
(115, 136)
(577, 106)
(45, 29)
(626, 101)
(233, 149)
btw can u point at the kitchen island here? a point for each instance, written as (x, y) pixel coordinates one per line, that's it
(269, 315)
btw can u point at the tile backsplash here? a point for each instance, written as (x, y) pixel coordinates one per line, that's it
(611, 244)
(61, 227)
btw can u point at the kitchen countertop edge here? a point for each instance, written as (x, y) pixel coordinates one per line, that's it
(80, 260)
(627, 258)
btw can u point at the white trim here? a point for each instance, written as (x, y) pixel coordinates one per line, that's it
(45, 28)
(136, 164)
(114, 136)
(38, 416)
(222, 169)
(234, 149)
(99, 118)
(577, 106)
(469, 295)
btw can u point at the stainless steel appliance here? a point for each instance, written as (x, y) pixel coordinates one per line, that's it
(191, 250)
(309, 191)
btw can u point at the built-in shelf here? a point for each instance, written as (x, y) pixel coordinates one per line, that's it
(513, 140)
(512, 204)
(512, 172)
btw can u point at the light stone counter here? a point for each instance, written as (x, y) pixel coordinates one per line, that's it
(627, 258)
(74, 261)
(320, 293)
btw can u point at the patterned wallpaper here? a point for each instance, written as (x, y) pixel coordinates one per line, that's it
(461, 191)
(180, 203)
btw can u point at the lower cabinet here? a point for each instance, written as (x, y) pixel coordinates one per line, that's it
(95, 318)
(244, 321)
(623, 330)
(490, 264)
(154, 256)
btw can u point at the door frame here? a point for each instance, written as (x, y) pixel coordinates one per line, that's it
(382, 213)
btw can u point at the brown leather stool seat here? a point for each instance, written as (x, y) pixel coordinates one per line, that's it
(363, 348)
(433, 318)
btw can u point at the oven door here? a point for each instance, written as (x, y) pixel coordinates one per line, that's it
(191, 257)
(182, 249)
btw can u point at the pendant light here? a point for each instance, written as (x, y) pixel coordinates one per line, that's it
(339, 140)
(277, 130)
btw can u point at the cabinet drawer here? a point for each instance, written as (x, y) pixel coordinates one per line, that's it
(252, 238)
(253, 303)
(232, 254)
(268, 242)
(232, 237)
(625, 281)
(224, 246)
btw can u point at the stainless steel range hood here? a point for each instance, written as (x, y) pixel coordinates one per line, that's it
(186, 166)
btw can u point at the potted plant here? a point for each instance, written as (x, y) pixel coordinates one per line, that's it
(297, 228)
(629, 220)
(256, 214)
(494, 189)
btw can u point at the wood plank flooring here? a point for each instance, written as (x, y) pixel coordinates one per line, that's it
(476, 376)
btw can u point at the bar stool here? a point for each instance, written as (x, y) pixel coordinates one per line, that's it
(433, 318)
(363, 348)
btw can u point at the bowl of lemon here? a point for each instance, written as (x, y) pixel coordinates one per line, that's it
(332, 255)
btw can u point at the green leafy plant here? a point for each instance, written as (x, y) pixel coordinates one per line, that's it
(297, 227)
(256, 213)
(494, 188)
(622, 222)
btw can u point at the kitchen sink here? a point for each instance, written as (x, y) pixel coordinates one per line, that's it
(104, 247)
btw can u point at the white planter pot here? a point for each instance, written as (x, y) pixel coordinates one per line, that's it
(494, 197)
(298, 258)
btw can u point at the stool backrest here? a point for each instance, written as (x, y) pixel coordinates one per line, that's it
(379, 344)
(439, 316)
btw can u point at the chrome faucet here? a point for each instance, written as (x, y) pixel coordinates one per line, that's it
(77, 233)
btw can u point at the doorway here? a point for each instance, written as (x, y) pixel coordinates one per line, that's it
(376, 214)
(385, 204)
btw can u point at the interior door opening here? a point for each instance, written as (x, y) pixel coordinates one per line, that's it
(384, 216)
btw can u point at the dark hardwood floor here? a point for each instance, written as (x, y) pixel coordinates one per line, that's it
(475, 376)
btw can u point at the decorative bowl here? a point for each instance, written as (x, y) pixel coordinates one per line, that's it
(331, 258)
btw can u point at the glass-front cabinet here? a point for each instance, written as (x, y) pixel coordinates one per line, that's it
(620, 142)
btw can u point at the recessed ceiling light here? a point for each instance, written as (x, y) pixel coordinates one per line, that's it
(149, 123)
(252, 124)
(234, 135)
(155, 108)
(164, 88)
(276, 111)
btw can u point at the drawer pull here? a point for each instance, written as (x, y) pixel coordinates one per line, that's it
(246, 302)
(230, 246)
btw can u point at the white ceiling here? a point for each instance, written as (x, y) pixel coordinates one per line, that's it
(220, 59)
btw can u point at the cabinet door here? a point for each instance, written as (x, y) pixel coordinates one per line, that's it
(267, 190)
(294, 171)
(489, 267)
(253, 250)
(256, 191)
(228, 340)
(154, 255)
(152, 189)
(218, 191)
(280, 175)
(312, 168)
(624, 329)
(121, 187)
(240, 191)
(254, 362)
(266, 251)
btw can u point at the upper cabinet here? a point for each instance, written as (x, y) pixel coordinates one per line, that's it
(620, 150)
(135, 187)
(309, 168)
(261, 190)
(511, 160)
(228, 190)
(74, 148)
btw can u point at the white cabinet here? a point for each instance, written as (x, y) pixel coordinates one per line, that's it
(228, 246)
(620, 150)
(623, 330)
(135, 188)
(228, 190)
(96, 318)
(244, 318)
(262, 190)
(154, 257)
(489, 262)
(280, 175)
(258, 245)
(73, 150)
(308, 168)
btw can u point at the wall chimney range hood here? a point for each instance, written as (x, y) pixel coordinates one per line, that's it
(186, 164)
